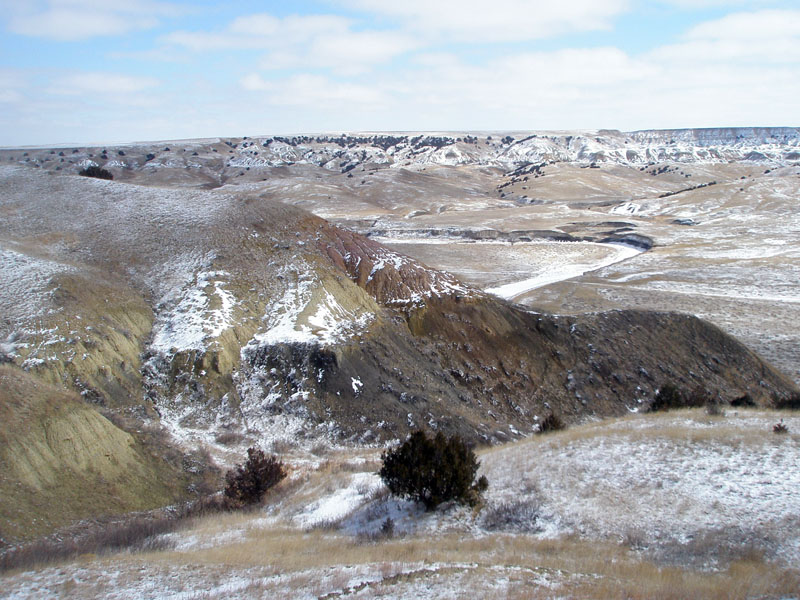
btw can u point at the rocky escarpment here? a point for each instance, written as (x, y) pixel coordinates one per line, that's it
(254, 318)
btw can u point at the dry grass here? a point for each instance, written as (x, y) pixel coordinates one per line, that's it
(276, 559)
(138, 534)
(576, 568)
(687, 425)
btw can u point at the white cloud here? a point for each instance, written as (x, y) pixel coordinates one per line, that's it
(79, 84)
(292, 27)
(738, 70)
(73, 20)
(314, 91)
(261, 31)
(347, 53)
(571, 88)
(301, 42)
(749, 26)
(705, 4)
(764, 38)
(498, 20)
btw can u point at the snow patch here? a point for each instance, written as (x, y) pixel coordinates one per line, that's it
(340, 503)
(192, 321)
(560, 272)
(290, 320)
(25, 293)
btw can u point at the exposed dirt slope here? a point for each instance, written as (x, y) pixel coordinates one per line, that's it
(469, 362)
(61, 460)
(230, 313)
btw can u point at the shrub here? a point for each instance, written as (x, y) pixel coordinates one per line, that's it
(433, 470)
(790, 402)
(95, 171)
(744, 401)
(551, 422)
(699, 396)
(517, 515)
(387, 528)
(668, 396)
(780, 428)
(714, 408)
(248, 482)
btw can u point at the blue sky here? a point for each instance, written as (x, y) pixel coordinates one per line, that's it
(81, 71)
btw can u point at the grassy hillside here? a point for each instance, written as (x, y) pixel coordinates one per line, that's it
(656, 506)
(61, 460)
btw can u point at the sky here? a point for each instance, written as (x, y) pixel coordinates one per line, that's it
(100, 71)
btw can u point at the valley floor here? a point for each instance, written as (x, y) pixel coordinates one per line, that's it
(671, 505)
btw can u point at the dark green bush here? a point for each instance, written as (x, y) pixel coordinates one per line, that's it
(668, 396)
(248, 482)
(745, 401)
(95, 171)
(433, 470)
(551, 422)
(790, 402)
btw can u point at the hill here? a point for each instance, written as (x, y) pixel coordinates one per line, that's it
(215, 312)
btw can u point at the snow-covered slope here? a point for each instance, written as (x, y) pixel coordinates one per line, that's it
(652, 506)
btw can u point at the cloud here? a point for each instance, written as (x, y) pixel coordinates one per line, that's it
(705, 80)
(498, 20)
(763, 38)
(749, 26)
(401, 72)
(74, 20)
(301, 42)
(347, 53)
(313, 91)
(106, 84)
(261, 31)
(12, 85)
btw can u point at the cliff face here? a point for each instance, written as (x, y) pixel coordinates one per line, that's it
(61, 460)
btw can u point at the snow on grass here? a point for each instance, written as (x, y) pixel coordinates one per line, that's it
(627, 208)
(10, 347)
(26, 281)
(673, 485)
(341, 502)
(553, 273)
(667, 480)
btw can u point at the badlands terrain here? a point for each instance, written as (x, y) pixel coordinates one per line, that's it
(321, 296)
